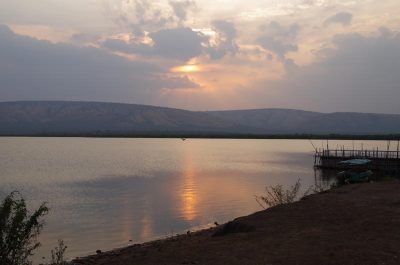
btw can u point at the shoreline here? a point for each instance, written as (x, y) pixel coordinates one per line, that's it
(369, 137)
(352, 224)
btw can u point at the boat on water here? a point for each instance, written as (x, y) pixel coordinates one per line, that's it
(355, 177)
(357, 170)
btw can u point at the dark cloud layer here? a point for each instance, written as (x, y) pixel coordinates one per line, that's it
(33, 69)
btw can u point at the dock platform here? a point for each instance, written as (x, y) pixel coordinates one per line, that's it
(387, 161)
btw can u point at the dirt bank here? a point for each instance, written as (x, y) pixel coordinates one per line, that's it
(354, 224)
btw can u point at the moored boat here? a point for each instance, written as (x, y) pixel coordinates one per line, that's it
(357, 171)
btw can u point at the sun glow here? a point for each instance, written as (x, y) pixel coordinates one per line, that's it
(189, 68)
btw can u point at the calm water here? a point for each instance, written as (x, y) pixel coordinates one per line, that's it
(105, 192)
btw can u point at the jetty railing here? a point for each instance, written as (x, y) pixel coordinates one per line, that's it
(366, 154)
(380, 159)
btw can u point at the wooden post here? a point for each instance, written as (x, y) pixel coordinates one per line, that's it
(315, 158)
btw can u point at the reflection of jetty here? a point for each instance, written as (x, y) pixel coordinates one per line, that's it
(380, 160)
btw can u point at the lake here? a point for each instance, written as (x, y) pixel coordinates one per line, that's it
(106, 193)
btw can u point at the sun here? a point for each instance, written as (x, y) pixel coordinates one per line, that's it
(188, 68)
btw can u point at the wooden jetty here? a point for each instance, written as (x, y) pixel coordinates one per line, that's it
(387, 161)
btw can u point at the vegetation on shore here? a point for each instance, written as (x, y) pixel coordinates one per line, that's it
(19, 230)
(277, 195)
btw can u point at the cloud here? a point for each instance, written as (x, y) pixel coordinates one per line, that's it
(177, 82)
(141, 16)
(125, 47)
(226, 28)
(181, 8)
(180, 44)
(279, 39)
(33, 69)
(170, 39)
(81, 38)
(359, 74)
(277, 46)
(343, 18)
(225, 40)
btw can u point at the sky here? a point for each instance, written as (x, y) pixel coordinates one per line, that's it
(318, 55)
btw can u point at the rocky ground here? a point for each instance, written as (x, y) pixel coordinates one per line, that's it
(353, 224)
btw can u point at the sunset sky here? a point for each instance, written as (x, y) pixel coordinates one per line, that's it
(319, 55)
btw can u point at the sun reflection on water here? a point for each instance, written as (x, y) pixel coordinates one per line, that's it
(189, 194)
(147, 230)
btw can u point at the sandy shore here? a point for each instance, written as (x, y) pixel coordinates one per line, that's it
(354, 224)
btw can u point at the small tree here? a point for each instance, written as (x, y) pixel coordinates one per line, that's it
(276, 195)
(19, 230)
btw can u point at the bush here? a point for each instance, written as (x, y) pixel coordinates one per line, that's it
(277, 195)
(57, 254)
(19, 230)
(317, 188)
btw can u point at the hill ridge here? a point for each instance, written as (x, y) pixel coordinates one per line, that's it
(79, 117)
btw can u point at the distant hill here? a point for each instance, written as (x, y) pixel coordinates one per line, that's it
(268, 120)
(80, 118)
(60, 117)
(287, 121)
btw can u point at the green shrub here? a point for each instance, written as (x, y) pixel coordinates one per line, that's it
(277, 195)
(19, 230)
